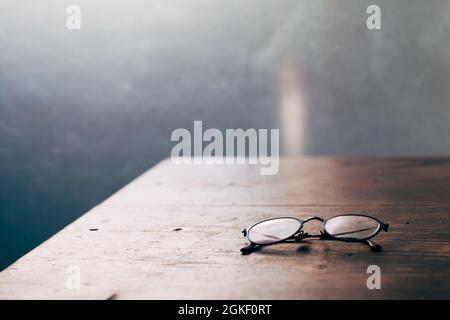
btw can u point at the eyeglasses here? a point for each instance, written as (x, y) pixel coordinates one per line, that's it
(347, 227)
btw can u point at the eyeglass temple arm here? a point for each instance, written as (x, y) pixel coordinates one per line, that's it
(248, 249)
(372, 245)
(352, 231)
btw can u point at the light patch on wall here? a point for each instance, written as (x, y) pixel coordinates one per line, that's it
(292, 108)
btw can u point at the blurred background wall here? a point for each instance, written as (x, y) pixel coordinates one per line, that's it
(84, 112)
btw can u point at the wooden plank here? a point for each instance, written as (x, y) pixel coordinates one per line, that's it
(174, 233)
(309, 181)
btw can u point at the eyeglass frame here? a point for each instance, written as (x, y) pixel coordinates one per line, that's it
(324, 235)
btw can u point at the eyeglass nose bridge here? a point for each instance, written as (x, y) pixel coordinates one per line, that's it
(313, 218)
(307, 235)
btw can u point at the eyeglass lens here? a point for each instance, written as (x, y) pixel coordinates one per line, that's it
(352, 227)
(273, 230)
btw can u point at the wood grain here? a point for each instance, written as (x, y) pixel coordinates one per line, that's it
(174, 233)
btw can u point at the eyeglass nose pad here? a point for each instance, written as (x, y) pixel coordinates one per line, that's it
(385, 226)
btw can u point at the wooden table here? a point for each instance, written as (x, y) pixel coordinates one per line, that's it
(174, 233)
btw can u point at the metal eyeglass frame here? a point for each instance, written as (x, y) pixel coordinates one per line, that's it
(323, 235)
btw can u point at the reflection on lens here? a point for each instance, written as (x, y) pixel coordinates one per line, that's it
(352, 228)
(274, 230)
